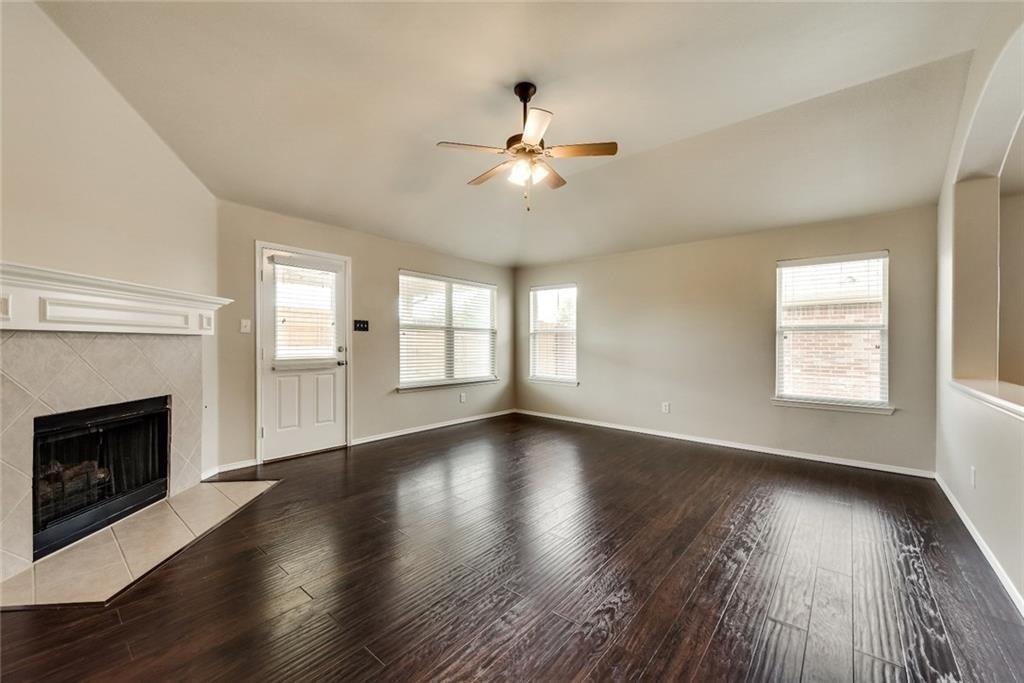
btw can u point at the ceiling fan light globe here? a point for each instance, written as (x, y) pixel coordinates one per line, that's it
(539, 173)
(520, 172)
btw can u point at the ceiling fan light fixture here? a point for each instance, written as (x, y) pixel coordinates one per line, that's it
(520, 172)
(540, 172)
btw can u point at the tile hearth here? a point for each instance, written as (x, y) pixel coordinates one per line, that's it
(101, 565)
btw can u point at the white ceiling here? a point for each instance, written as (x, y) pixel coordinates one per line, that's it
(730, 117)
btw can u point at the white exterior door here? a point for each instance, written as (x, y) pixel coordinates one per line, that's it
(302, 360)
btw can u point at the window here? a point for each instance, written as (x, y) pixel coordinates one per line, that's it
(553, 333)
(447, 330)
(304, 311)
(832, 331)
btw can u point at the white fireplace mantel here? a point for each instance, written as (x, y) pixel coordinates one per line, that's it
(42, 299)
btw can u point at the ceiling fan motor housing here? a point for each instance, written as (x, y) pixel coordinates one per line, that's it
(525, 91)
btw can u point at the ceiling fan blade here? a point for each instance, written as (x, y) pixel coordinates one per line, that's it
(487, 175)
(472, 148)
(537, 122)
(589, 149)
(553, 180)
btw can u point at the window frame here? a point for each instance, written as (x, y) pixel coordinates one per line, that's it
(309, 263)
(882, 407)
(449, 336)
(540, 379)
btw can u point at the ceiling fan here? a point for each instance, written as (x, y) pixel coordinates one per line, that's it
(527, 161)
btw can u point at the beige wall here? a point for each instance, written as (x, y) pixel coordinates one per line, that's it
(976, 279)
(694, 324)
(88, 187)
(1011, 288)
(378, 407)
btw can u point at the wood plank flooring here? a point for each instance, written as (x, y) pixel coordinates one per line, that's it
(526, 549)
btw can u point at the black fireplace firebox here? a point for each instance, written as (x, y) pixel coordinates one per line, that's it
(92, 467)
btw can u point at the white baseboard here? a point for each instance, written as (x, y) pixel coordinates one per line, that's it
(863, 464)
(241, 464)
(1004, 577)
(423, 428)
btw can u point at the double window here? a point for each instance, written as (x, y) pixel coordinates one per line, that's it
(832, 331)
(553, 333)
(447, 330)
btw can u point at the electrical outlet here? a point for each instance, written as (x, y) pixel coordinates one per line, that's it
(462, 397)
(666, 407)
(245, 326)
(974, 477)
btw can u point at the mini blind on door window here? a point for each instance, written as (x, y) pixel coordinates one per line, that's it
(447, 331)
(832, 331)
(304, 313)
(553, 333)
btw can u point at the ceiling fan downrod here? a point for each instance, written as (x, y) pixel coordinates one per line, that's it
(525, 91)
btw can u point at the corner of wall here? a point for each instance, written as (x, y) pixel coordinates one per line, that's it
(516, 322)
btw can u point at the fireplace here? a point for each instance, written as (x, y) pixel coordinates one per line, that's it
(92, 467)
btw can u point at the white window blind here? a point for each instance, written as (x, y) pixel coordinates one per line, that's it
(304, 313)
(553, 333)
(832, 330)
(447, 330)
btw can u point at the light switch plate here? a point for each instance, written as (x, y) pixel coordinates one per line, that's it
(245, 326)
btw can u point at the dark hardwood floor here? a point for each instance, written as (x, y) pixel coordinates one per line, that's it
(526, 549)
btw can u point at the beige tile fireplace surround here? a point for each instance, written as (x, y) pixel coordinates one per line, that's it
(56, 372)
(69, 342)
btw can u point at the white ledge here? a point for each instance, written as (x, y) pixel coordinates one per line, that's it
(43, 299)
(1005, 396)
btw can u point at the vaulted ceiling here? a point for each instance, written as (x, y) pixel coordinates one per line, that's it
(730, 117)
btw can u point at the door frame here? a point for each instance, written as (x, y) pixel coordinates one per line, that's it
(258, 319)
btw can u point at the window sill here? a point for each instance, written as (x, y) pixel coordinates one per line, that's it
(1001, 395)
(447, 384)
(842, 407)
(563, 382)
